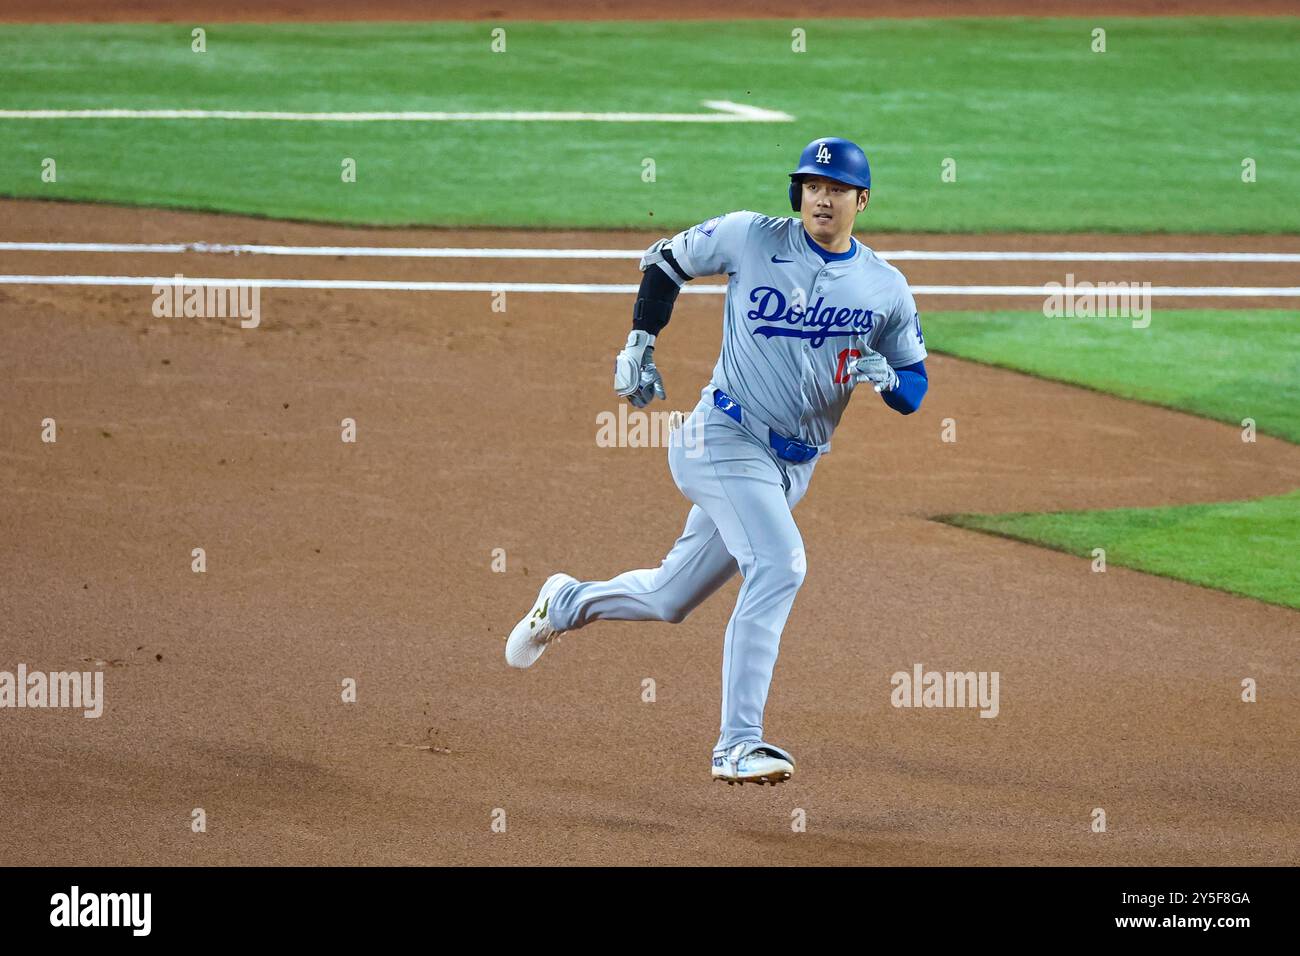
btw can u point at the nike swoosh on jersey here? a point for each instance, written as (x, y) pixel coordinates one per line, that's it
(781, 261)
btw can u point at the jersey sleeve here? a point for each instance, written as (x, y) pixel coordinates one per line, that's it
(901, 341)
(713, 247)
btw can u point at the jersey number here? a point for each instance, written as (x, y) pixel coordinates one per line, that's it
(842, 369)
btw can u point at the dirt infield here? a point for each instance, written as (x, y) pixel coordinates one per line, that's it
(476, 431)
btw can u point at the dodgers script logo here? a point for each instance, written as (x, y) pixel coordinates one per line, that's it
(812, 322)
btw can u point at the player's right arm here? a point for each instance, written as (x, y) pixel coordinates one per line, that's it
(711, 248)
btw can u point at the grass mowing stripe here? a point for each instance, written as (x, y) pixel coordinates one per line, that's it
(1250, 548)
(1045, 134)
(1227, 366)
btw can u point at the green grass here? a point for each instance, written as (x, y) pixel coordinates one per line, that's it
(1227, 366)
(1046, 134)
(1243, 547)
(1223, 365)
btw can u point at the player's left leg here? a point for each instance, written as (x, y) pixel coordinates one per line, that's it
(770, 550)
(748, 493)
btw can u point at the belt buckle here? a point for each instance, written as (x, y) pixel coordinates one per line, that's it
(787, 449)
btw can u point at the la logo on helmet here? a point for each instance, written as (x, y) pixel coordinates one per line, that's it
(823, 154)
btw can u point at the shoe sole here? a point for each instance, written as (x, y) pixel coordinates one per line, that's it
(780, 776)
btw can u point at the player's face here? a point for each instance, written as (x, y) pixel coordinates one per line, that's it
(828, 210)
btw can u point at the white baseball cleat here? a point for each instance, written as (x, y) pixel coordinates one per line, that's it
(534, 632)
(753, 762)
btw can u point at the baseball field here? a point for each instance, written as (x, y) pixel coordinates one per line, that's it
(294, 540)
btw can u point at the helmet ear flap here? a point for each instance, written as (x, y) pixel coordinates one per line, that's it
(796, 195)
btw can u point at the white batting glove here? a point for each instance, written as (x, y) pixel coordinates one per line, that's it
(873, 368)
(635, 375)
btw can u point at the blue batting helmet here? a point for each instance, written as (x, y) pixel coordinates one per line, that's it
(833, 158)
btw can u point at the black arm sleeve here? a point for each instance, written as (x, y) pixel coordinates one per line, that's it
(655, 298)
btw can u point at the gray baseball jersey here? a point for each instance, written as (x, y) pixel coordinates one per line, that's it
(793, 320)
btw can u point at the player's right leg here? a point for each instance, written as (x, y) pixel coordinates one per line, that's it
(697, 565)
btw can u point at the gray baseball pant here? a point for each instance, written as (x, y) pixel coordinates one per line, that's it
(740, 520)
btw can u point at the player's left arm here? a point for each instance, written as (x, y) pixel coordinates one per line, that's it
(897, 367)
(913, 383)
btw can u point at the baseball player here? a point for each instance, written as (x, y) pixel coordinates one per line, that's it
(810, 314)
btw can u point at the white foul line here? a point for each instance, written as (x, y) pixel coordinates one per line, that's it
(724, 111)
(389, 285)
(981, 256)
(456, 252)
